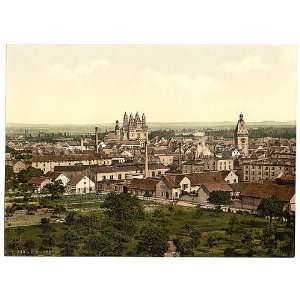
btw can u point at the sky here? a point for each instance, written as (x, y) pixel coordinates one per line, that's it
(88, 84)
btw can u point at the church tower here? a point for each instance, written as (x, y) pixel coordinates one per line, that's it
(241, 136)
(144, 121)
(125, 121)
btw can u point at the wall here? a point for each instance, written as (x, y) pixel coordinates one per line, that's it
(85, 182)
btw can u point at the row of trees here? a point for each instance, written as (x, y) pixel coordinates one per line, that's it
(274, 132)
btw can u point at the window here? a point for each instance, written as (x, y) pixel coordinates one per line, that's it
(104, 177)
(119, 176)
(111, 177)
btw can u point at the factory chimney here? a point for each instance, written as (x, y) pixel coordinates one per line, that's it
(96, 139)
(146, 156)
(179, 158)
(81, 144)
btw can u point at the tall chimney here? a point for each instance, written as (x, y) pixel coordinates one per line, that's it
(146, 156)
(179, 158)
(81, 144)
(96, 139)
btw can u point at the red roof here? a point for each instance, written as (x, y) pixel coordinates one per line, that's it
(147, 184)
(217, 186)
(265, 190)
(37, 180)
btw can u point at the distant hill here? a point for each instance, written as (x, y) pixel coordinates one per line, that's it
(158, 124)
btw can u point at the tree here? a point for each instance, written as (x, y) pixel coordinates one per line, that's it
(219, 198)
(47, 243)
(272, 207)
(70, 218)
(12, 246)
(70, 243)
(56, 189)
(211, 241)
(25, 175)
(28, 247)
(231, 252)
(110, 242)
(247, 238)
(123, 211)
(153, 241)
(59, 209)
(184, 246)
(195, 238)
(45, 220)
(268, 239)
(233, 225)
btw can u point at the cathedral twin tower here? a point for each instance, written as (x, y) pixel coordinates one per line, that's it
(133, 129)
(136, 129)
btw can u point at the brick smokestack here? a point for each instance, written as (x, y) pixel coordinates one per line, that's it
(96, 139)
(81, 144)
(146, 157)
(179, 158)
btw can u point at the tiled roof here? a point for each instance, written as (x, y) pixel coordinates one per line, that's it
(52, 175)
(217, 186)
(71, 157)
(264, 190)
(128, 167)
(37, 180)
(205, 177)
(147, 184)
(75, 168)
(75, 179)
(173, 180)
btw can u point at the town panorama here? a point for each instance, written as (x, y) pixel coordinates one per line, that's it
(150, 150)
(226, 179)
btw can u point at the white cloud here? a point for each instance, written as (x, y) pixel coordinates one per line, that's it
(79, 71)
(175, 84)
(248, 64)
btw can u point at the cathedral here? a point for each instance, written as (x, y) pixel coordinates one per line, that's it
(241, 136)
(132, 129)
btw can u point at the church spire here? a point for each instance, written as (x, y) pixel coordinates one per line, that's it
(125, 120)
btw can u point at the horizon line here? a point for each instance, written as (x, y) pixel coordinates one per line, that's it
(161, 122)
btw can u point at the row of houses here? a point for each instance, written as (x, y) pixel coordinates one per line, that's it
(196, 187)
(75, 184)
(191, 188)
